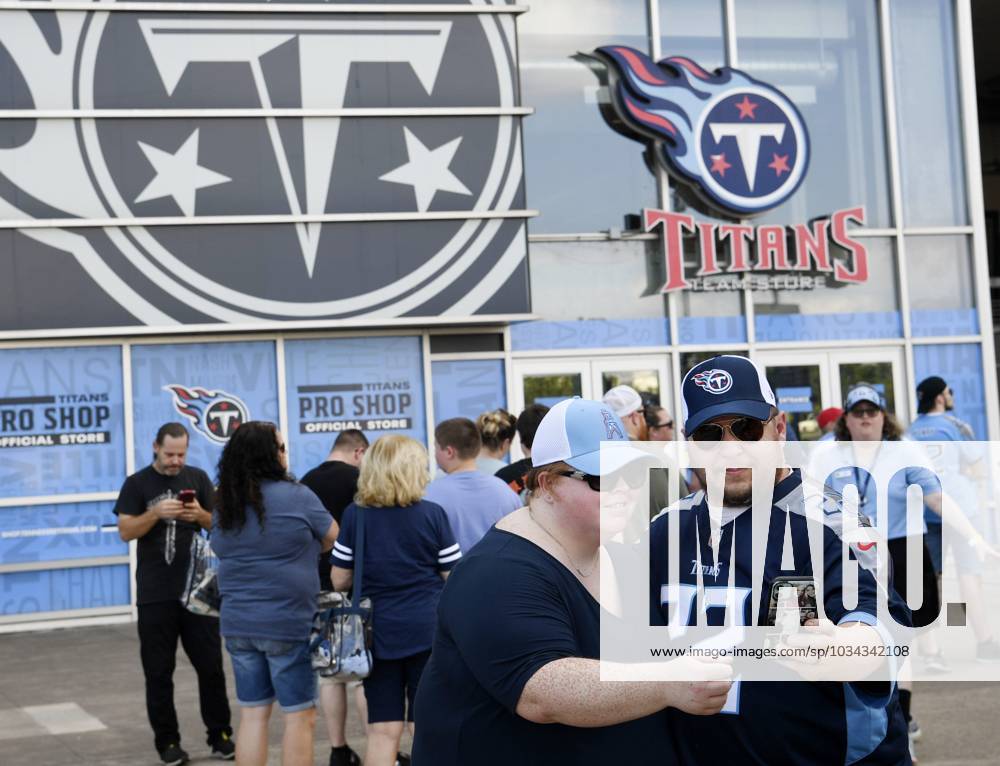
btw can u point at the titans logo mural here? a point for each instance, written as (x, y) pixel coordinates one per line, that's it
(202, 168)
(740, 143)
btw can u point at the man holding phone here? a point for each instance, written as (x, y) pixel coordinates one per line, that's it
(162, 507)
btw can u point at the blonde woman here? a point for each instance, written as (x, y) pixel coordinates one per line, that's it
(496, 429)
(409, 550)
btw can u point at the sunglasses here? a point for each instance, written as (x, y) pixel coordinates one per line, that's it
(634, 478)
(744, 429)
(865, 412)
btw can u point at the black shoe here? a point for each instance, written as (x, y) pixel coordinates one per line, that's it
(223, 748)
(402, 759)
(344, 756)
(173, 755)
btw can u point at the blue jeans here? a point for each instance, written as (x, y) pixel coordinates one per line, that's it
(266, 670)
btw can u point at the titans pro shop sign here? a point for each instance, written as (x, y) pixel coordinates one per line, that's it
(61, 420)
(742, 148)
(180, 184)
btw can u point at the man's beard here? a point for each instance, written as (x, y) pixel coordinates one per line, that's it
(733, 497)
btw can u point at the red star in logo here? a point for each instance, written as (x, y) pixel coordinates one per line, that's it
(746, 107)
(719, 164)
(780, 164)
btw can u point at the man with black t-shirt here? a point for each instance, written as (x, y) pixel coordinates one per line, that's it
(162, 507)
(335, 482)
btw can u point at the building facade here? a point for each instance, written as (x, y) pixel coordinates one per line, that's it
(381, 216)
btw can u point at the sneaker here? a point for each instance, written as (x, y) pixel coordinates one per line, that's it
(914, 730)
(172, 755)
(223, 748)
(402, 759)
(344, 756)
(988, 651)
(936, 663)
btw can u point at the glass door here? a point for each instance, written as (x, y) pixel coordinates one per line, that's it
(883, 368)
(801, 386)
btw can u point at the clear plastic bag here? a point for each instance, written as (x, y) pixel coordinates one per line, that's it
(201, 588)
(341, 637)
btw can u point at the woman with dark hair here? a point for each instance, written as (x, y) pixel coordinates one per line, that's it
(268, 530)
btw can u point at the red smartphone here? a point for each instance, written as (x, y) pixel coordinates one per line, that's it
(186, 496)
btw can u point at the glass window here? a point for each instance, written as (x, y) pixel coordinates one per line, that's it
(551, 389)
(581, 175)
(618, 279)
(713, 316)
(927, 112)
(646, 382)
(838, 310)
(824, 55)
(961, 365)
(879, 374)
(693, 28)
(945, 304)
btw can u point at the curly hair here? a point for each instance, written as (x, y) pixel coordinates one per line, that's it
(496, 427)
(250, 456)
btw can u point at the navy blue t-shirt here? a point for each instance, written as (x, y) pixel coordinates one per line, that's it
(507, 610)
(406, 549)
(779, 722)
(267, 575)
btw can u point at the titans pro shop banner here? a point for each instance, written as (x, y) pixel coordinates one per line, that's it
(61, 421)
(118, 191)
(375, 385)
(212, 388)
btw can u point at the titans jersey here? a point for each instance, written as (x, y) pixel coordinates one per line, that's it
(779, 722)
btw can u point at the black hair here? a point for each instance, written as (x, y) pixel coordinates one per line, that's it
(176, 430)
(527, 422)
(250, 456)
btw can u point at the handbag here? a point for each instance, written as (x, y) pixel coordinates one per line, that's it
(341, 639)
(201, 588)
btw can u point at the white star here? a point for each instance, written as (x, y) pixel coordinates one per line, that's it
(178, 175)
(427, 170)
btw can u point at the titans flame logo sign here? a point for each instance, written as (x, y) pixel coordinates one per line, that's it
(214, 414)
(737, 141)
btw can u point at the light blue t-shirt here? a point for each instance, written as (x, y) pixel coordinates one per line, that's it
(268, 577)
(473, 501)
(941, 427)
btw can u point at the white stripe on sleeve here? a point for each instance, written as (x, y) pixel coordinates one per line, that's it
(448, 559)
(449, 550)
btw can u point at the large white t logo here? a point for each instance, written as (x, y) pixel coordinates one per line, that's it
(748, 137)
(326, 51)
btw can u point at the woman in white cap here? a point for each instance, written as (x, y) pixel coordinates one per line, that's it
(514, 676)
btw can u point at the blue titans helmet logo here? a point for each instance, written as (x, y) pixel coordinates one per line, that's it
(739, 141)
(214, 414)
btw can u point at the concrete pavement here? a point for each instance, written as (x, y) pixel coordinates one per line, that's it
(75, 696)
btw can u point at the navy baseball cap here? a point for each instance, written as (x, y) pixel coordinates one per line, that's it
(725, 385)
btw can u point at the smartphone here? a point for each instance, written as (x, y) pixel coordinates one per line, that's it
(186, 496)
(802, 596)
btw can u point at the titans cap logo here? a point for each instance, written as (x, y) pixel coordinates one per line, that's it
(739, 142)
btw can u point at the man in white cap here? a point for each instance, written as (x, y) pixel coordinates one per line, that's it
(626, 403)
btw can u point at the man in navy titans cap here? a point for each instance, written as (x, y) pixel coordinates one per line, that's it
(727, 398)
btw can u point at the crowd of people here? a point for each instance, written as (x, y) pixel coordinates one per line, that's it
(487, 591)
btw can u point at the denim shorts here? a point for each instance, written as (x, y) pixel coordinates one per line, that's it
(266, 670)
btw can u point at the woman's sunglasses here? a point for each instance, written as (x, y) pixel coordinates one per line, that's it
(744, 429)
(634, 477)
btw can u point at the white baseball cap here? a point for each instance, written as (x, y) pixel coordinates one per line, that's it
(623, 400)
(572, 432)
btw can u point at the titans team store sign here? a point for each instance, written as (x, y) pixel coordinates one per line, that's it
(741, 147)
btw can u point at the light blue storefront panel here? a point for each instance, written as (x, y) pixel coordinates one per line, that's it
(59, 590)
(468, 388)
(373, 384)
(61, 421)
(57, 532)
(862, 325)
(961, 365)
(712, 329)
(589, 333)
(929, 323)
(209, 387)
